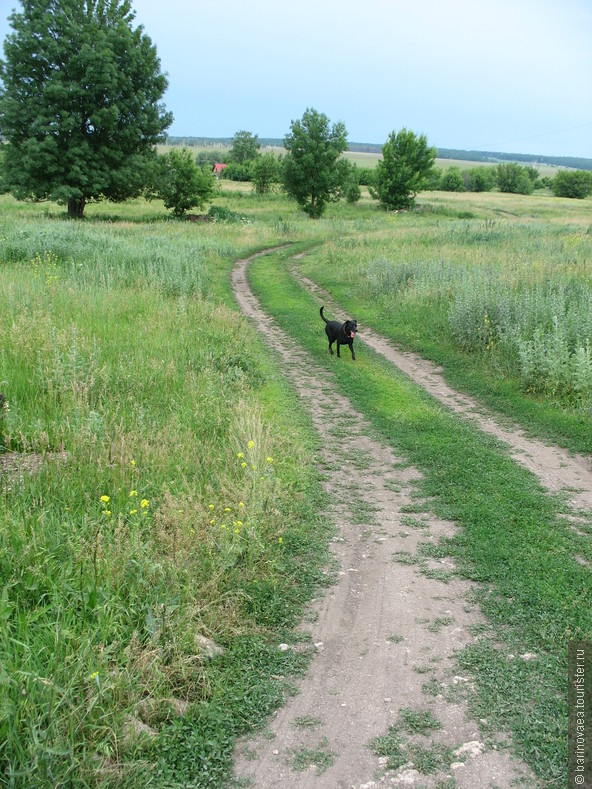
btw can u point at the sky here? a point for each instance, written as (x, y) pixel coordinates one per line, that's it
(497, 75)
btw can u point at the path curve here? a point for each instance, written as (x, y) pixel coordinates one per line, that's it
(383, 630)
(559, 470)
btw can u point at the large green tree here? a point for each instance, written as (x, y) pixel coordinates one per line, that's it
(407, 161)
(79, 102)
(312, 172)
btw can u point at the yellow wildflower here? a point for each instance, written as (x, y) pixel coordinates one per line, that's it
(240, 455)
(105, 499)
(133, 493)
(251, 444)
(243, 464)
(241, 504)
(133, 512)
(144, 504)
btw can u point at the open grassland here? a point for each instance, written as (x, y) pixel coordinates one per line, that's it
(158, 493)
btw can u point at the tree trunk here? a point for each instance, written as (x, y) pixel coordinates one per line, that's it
(76, 207)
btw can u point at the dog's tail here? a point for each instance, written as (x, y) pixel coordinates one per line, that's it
(322, 316)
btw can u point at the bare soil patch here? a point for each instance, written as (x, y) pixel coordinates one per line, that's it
(386, 634)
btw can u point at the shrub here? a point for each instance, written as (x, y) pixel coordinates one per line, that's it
(237, 172)
(366, 176)
(433, 180)
(179, 182)
(513, 178)
(572, 183)
(452, 180)
(478, 179)
(265, 171)
(351, 186)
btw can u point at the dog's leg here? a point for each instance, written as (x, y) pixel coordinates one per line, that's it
(352, 350)
(338, 347)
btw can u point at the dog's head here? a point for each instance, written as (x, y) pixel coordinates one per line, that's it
(350, 328)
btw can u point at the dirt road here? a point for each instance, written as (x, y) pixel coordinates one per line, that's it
(386, 634)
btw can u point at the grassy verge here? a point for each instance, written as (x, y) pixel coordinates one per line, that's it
(500, 298)
(511, 541)
(159, 512)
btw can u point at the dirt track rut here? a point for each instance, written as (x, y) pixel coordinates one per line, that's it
(385, 629)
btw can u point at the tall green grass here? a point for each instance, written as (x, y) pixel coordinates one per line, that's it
(156, 488)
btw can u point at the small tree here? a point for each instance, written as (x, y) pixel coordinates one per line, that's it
(79, 106)
(265, 171)
(310, 173)
(401, 174)
(245, 147)
(511, 177)
(478, 179)
(572, 183)
(352, 189)
(452, 180)
(180, 183)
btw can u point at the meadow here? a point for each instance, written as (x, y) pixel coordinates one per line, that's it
(162, 522)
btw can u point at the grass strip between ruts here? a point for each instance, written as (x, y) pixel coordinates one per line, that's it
(511, 541)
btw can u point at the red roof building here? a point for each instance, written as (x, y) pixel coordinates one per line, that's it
(217, 168)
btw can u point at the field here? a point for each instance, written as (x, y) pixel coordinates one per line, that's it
(163, 522)
(369, 160)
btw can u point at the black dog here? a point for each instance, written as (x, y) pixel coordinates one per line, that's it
(341, 333)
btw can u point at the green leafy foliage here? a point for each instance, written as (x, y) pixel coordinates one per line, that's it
(237, 172)
(245, 147)
(452, 180)
(310, 173)
(514, 178)
(180, 183)
(265, 171)
(478, 179)
(406, 162)
(352, 189)
(572, 183)
(79, 106)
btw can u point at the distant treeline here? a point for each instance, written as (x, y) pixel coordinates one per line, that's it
(443, 153)
(577, 163)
